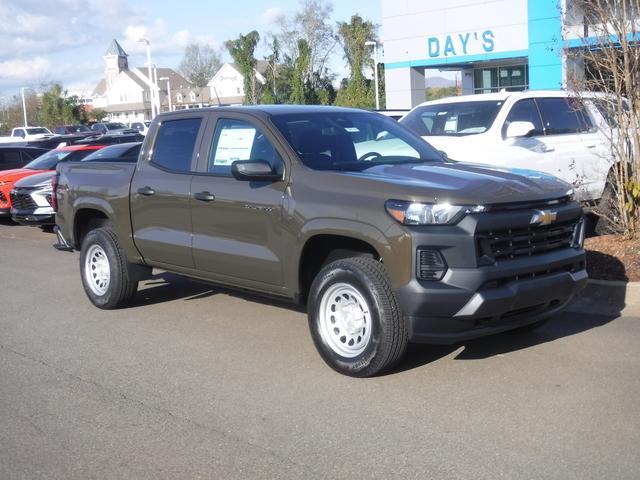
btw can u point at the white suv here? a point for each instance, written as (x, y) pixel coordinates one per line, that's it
(549, 131)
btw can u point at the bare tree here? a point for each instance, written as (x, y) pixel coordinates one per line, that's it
(200, 63)
(609, 55)
(313, 24)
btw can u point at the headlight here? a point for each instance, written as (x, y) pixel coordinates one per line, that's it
(411, 213)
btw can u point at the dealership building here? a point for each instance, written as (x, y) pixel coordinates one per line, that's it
(493, 44)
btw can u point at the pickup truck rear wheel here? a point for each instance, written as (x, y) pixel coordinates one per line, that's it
(354, 317)
(104, 270)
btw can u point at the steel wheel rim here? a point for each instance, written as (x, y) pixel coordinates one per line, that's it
(345, 320)
(97, 272)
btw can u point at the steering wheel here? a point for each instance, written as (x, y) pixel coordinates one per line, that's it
(366, 156)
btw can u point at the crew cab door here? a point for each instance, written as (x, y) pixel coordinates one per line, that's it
(237, 232)
(565, 142)
(161, 191)
(576, 145)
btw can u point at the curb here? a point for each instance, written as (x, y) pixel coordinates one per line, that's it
(611, 295)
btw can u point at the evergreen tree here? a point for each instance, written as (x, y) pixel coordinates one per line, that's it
(242, 50)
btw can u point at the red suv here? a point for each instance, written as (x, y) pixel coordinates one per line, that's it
(43, 163)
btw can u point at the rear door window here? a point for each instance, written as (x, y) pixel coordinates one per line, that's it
(563, 115)
(10, 159)
(175, 144)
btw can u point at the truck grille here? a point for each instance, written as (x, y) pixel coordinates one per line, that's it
(22, 201)
(527, 241)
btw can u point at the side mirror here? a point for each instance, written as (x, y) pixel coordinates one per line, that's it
(520, 129)
(254, 170)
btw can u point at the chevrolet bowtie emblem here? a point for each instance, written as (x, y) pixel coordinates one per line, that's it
(544, 217)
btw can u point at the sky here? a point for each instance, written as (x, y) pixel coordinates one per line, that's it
(65, 40)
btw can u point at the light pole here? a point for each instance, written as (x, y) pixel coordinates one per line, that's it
(4, 109)
(157, 88)
(24, 107)
(168, 91)
(150, 74)
(375, 69)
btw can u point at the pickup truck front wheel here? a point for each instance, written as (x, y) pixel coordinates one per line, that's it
(104, 270)
(354, 317)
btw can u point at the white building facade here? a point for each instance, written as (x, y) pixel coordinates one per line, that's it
(494, 44)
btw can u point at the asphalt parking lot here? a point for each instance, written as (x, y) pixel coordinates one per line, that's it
(192, 382)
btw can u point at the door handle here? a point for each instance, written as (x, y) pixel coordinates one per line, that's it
(549, 149)
(204, 196)
(148, 191)
(591, 146)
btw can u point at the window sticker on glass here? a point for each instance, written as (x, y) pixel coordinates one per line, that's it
(234, 144)
(451, 125)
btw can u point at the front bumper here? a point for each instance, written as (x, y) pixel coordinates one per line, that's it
(5, 212)
(30, 206)
(479, 296)
(464, 308)
(30, 218)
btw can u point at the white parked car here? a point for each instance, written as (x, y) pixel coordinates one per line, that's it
(549, 131)
(141, 126)
(27, 134)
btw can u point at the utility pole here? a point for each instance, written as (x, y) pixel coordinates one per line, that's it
(24, 108)
(150, 75)
(157, 89)
(168, 91)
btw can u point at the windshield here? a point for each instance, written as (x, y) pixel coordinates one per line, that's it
(453, 119)
(35, 131)
(115, 126)
(49, 160)
(351, 141)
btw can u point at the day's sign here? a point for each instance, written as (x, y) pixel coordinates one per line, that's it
(467, 43)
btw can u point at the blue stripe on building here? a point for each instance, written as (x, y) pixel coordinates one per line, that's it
(545, 44)
(457, 60)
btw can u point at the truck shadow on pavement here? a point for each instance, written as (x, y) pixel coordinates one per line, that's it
(581, 317)
(563, 325)
(165, 287)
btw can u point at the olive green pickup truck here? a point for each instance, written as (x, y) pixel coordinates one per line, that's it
(344, 211)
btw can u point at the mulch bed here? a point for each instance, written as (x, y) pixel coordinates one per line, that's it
(613, 257)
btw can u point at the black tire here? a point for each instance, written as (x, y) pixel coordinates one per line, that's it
(387, 339)
(528, 328)
(122, 285)
(607, 210)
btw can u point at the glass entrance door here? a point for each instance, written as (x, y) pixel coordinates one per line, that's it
(494, 79)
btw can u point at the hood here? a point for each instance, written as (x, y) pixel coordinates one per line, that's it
(456, 148)
(462, 183)
(35, 180)
(41, 135)
(13, 176)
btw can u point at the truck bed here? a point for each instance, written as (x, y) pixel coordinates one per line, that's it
(101, 186)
